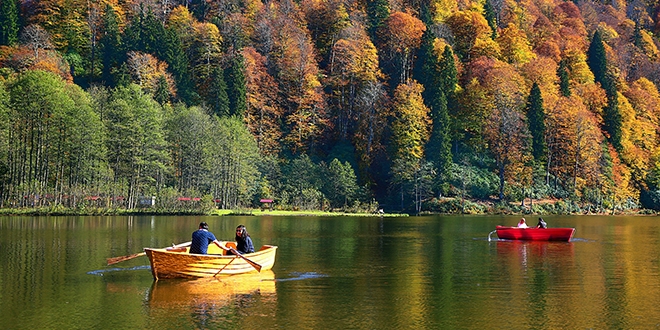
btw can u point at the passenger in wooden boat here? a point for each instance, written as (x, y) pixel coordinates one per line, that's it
(201, 239)
(541, 224)
(522, 223)
(243, 241)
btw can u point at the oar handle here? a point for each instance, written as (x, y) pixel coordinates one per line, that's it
(114, 260)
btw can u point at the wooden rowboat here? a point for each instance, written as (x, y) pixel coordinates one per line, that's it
(535, 234)
(177, 262)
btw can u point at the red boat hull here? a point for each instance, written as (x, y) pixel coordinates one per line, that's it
(535, 234)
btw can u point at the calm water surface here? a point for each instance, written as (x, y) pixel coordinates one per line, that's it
(437, 272)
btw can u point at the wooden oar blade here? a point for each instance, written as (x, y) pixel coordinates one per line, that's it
(114, 260)
(252, 263)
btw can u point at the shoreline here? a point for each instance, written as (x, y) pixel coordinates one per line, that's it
(59, 211)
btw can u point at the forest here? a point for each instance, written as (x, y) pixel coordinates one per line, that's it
(403, 105)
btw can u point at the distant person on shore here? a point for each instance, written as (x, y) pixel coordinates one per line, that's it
(243, 241)
(541, 224)
(522, 223)
(201, 239)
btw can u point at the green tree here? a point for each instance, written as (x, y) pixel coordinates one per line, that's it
(564, 83)
(377, 13)
(489, 14)
(9, 24)
(111, 46)
(340, 183)
(189, 139)
(217, 97)
(234, 158)
(447, 79)
(161, 92)
(178, 64)
(536, 122)
(302, 184)
(136, 142)
(55, 138)
(438, 149)
(4, 142)
(597, 61)
(236, 86)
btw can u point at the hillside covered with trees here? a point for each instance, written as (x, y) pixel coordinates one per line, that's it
(330, 104)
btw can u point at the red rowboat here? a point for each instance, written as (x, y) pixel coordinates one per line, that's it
(535, 234)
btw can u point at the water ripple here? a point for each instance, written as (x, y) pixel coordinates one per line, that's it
(302, 276)
(100, 272)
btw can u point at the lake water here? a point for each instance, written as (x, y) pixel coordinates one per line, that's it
(435, 272)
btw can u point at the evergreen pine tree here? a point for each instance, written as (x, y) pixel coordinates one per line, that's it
(447, 79)
(178, 64)
(597, 60)
(564, 84)
(448, 74)
(536, 122)
(162, 93)
(377, 12)
(236, 89)
(612, 120)
(218, 98)
(426, 60)
(111, 46)
(199, 9)
(438, 149)
(9, 24)
(489, 14)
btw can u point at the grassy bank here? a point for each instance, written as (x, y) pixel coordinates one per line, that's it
(89, 211)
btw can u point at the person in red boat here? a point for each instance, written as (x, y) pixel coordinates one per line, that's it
(541, 224)
(522, 223)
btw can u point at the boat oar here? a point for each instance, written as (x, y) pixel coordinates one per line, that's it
(114, 260)
(238, 254)
(252, 263)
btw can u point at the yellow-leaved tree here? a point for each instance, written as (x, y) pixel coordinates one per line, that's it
(410, 132)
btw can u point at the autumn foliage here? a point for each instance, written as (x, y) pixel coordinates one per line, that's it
(550, 99)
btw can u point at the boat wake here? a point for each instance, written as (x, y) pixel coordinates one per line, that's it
(100, 272)
(301, 276)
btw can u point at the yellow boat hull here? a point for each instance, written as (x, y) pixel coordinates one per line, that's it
(175, 263)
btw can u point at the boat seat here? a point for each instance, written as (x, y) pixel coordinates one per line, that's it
(177, 249)
(229, 245)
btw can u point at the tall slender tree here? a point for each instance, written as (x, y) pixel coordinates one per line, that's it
(236, 89)
(9, 23)
(564, 83)
(536, 122)
(597, 61)
(111, 46)
(217, 97)
(377, 13)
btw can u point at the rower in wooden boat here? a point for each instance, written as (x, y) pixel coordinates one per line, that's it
(201, 238)
(522, 223)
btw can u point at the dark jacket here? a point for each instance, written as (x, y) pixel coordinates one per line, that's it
(244, 245)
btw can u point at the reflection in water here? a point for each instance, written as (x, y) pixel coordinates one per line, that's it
(215, 290)
(210, 302)
(433, 272)
(524, 251)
